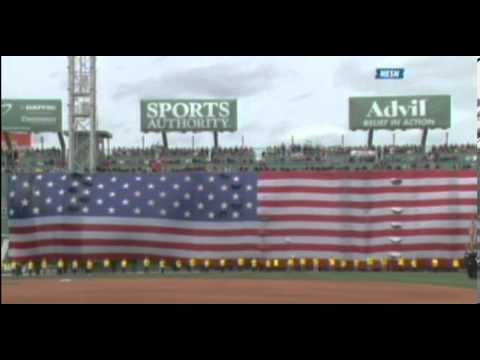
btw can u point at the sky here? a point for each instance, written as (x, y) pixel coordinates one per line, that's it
(279, 97)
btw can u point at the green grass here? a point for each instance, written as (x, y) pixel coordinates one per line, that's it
(458, 279)
(441, 279)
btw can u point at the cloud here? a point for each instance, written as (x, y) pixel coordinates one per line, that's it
(301, 97)
(55, 75)
(218, 81)
(159, 59)
(446, 75)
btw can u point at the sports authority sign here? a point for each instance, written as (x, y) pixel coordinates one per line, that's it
(32, 116)
(400, 112)
(189, 115)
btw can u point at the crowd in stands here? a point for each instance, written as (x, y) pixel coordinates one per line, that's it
(276, 158)
(239, 159)
(33, 161)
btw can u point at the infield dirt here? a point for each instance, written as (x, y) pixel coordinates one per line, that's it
(225, 291)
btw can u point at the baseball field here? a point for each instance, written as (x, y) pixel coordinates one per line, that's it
(245, 288)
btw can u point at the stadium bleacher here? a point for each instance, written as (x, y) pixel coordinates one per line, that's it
(275, 158)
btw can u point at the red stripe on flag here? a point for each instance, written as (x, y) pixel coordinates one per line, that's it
(368, 219)
(367, 175)
(242, 247)
(367, 191)
(292, 232)
(366, 205)
(364, 234)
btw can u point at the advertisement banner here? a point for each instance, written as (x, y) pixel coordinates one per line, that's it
(189, 115)
(400, 112)
(31, 116)
(19, 141)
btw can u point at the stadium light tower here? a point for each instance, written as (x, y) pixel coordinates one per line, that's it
(82, 117)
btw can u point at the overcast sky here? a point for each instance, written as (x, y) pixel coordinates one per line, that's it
(279, 97)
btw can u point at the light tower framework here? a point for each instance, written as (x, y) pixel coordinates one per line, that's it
(82, 119)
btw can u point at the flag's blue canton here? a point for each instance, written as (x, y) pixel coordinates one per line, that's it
(180, 196)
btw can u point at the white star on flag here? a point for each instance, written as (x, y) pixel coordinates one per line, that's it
(100, 202)
(24, 202)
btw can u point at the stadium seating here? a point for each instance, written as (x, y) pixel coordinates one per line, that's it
(275, 158)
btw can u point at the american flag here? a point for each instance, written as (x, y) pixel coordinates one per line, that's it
(275, 215)
(478, 115)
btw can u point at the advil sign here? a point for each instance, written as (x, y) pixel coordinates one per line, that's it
(188, 115)
(402, 112)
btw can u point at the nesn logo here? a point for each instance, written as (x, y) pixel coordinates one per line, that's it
(390, 74)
